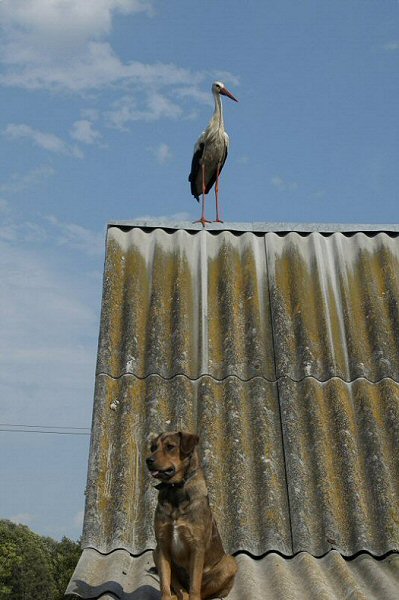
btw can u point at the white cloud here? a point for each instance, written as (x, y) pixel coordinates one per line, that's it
(47, 333)
(23, 232)
(160, 106)
(91, 243)
(199, 96)
(47, 141)
(392, 46)
(84, 132)
(52, 231)
(123, 111)
(22, 519)
(95, 67)
(64, 21)
(52, 44)
(91, 114)
(284, 185)
(19, 182)
(126, 110)
(162, 153)
(56, 44)
(61, 46)
(27, 282)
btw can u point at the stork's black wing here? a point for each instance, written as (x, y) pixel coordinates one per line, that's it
(195, 168)
(214, 172)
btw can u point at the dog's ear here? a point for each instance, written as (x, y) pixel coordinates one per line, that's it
(188, 441)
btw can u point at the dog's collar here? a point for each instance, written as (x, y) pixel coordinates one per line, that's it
(164, 485)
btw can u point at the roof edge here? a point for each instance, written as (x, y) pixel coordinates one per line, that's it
(257, 227)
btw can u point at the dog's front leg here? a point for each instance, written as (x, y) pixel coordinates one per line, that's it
(163, 563)
(196, 569)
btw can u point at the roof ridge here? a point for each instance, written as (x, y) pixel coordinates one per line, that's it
(257, 227)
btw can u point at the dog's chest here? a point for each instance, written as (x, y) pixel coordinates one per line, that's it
(178, 540)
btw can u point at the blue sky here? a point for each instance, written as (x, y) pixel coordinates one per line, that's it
(101, 103)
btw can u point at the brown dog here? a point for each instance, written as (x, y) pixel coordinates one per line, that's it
(189, 555)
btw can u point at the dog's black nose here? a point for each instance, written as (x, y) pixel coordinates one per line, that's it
(150, 461)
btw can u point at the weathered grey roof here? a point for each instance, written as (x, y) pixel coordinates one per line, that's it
(281, 350)
(250, 305)
(273, 577)
(257, 227)
(290, 466)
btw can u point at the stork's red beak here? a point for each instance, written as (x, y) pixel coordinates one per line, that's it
(225, 92)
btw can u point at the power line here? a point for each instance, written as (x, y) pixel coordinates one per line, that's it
(42, 431)
(42, 426)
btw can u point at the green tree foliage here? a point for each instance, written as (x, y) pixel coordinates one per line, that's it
(34, 567)
(9, 559)
(64, 556)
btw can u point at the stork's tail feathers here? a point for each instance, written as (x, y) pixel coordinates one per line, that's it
(196, 196)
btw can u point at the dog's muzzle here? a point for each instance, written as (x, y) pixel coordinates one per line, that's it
(164, 474)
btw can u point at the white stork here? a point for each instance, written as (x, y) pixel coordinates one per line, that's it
(210, 153)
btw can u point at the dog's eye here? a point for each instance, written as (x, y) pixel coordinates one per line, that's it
(153, 447)
(170, 447)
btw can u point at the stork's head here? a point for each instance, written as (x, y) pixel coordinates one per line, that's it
(219, 88)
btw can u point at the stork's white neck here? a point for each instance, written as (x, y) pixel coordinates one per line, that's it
(218, 113)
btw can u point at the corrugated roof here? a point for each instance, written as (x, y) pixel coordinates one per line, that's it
(183, 303)
(334, 304)
(273, 577)
(257, 227)
(250, 305)
(333, 447)
(281, 350)
(342, 462)
(241, 446)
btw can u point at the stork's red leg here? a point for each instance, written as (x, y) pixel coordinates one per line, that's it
(203, 219)
(218, 220)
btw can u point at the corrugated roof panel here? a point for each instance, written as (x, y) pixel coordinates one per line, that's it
(340, 454)
(282, 352)
(198, 303)
(240, 340)
(271, 578)
(151, 308)
(334, 302)
(342, 459)
(185, 303)
(241, 448)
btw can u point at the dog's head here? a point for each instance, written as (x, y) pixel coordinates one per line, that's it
(170, 455)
